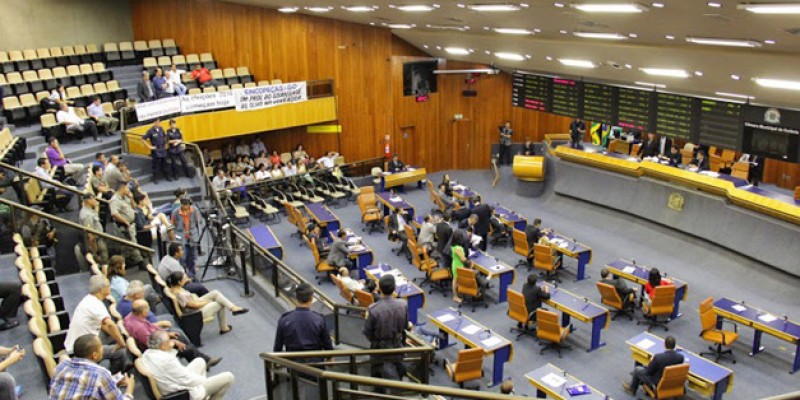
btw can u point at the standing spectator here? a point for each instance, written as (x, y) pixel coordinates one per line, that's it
(8, 385)
(302, 329)
(257, 146)
(57, 159)
(484, 213)
(145, 88)
(112, 174)
(174, 77)
(158, 149)
(202, 76)
(121, 208)
(187, 229)
(75, 124)
(576, 131)
(170, 264)
(160, 84)
(102, 118)
(90, 218)
(176, 149)
(80, 377)
(385, 328)
(505, 143)
(91, 317)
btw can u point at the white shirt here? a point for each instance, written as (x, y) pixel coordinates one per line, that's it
(219, 182)
(326, 161)
(42, 173)
(276, 174)
(172, 376)
(261, 175)
(96, 110)
(352, 284)
(69, 116)
(258, 146)
(86, 319)
(175, 76)
(170, 85)
(55, 95)
(290, 171)
(243, 149)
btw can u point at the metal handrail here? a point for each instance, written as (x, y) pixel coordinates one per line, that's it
(51, 182)
(785, 396)
(74, 225)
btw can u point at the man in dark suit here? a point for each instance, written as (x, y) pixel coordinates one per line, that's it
(443, 232)
(674, 156)
(534, 294)
(395, 165)
(625, 293)
(145, 89)
(397, 231)
(651, 374)
(533, 232)
(484, 213)
(664, 145)
(700, 161)
(576, 131)
(649, 147)
(338, 256)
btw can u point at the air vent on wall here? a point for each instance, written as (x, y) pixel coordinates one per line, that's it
(592, 24)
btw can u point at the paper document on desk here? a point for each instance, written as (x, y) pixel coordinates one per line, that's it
(629, 270)
(738, 307)
(471, 329)
(374, 272)
(553, 380)
(645, 343)
(445, 318)
(767, 317)
(496, 267)
(491, 342)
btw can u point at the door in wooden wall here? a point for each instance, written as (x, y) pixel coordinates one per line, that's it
(463, 132)
(406, 146)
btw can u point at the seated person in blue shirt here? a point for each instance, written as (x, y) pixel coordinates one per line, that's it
(135, 292)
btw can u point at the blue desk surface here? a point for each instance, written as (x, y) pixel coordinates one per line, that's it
(572, 245)
(456, 324)
(751, 313)
(404, 290)
(509, 215)
(772, 195)
(698, 366)
(489, 265)
(465, 192)
(321, 212)
(578, 304)
(640, 272)
(264, 236)
(400, 203)
(561, 390)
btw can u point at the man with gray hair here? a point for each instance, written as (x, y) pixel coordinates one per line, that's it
(137, 291)
(171, 376)
(91, 317)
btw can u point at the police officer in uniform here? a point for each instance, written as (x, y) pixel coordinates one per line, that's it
(385, 328)
(90, 218)
(158, 149)
(302, 329)
(576, 131)
(123, 215)
(176, 147)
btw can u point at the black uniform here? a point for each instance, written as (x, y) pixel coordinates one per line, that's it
(484, 213)
(576, 137)
(385, 328)
(158, 139)
(302, 330)
(651, 374)
(176, 153)
(533, 299)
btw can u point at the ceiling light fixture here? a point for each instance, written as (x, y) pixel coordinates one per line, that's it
(400, 26)
(600, 35)
(670, 37)
(655, 85)
(735, 77)
(714, 4)
(460, 28)
(497, 7)
(672, 73)
(360, 9)
(658, 5)
(698, 73)
(288, 10)
(628, 66)
(620, 8)
(777, 83)
(576, 63)
(318, 9)
(513, 31)
(735, 95)
(633, 35)
(769, 41)
(771, 8)
(563, 32)
(559, 5)
(723, 42)
(548, 58)
(459, 51)
(509, 56)
(415, 7)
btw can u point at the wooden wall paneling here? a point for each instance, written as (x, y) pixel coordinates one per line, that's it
(782, 174)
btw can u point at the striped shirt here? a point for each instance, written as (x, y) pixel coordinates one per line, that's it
(82, 379)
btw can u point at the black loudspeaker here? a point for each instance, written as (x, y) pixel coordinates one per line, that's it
(470, 93)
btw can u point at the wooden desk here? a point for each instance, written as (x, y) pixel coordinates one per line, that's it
(473, 334)
(494, 268)
(636, 273)
(572, 305)
(324, 217)
(571, 248)
(545, 376)
(405, 289)
(510, 218)
(762, 322)
(705, 377)
(410, 175)
(266, 239)
(392, 201)
(359, 252)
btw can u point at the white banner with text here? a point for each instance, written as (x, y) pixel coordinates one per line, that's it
(269, 96)
(208, 101)
(158, 108)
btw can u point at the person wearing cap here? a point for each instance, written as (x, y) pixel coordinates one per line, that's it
(176, 148)
(385, 328)
(90, 218)
(302, 329)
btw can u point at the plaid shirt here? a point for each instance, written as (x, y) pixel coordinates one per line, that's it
(82, 379)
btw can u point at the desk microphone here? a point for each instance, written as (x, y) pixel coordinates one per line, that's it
(786, 319)
(633, 262)
(459, 313)
(742, 303)
(585, 299)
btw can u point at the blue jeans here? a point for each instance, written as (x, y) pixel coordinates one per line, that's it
(189, 258)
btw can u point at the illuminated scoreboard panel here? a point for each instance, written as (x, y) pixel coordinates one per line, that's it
(531, 91)
(565, 97)
(598, 102)
(674, 116)
(720, 123)
(634, 109)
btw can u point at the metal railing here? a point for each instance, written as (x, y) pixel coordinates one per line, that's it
(51, 182)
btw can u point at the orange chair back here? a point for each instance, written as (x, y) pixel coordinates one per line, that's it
(609, 295)
(673, 381)
(728, 156)
(520, 242)
(410, 235)
(663, 300)
(635, 149)
(364, 298)
(466, 283)
(543, 257)
(797, 193)
(686, 156)
(368, 189)
(708, 318)
(547, 326)
(468, 366)
(517, 310)
(740, 170)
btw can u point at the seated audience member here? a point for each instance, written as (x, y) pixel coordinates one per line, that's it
(145, 89)
(654, 280)
(59, 94)
(395, 165)
(528, 149)
(447, 199)
(353, 284)
(499, 229)
(533, 233)
(247, 176)
(112, 174)
(91, 317)
(81, 377)
(100, 161)
(674, 156)
(276, 172)
(262, 172)
(700, 162)
(58, 160)
(275, 158)
(42, 170)
(229, 153)
(173, 87)
(261, 158)
(533, 294)
(212, 303)
(651, 374)
(315, 236)
(257, 146)
(139, 326)
(328, 160)
(119, 285)
(172, 376)
(135, 291)
(203, 76)
(170, 264)
(220, 181)
(150, 225)
(102, 118)
(625, 293)
(8, 385)
(174, 76)
(339, 256)
(290, 169)
(242, 148)
(299, 154)
(75, 124)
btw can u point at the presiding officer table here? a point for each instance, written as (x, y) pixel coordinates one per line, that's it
(265, 238)
(408, 175)
(572, 305)
(494, 268)
(762, 322)
(705, 376)
(404, 290)
(473, 334)
(636, 273)
(552, 381)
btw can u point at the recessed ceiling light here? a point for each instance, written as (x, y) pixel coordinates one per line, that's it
(714, 4)
(723, 42)
(513, 31)
(670, 37)
(771, 8)
(769, 41)
(633, 35)
(563, 32)
(372, 24)
(438, 47)
(698, 73)
(777, 83)
(460, 28)
(425, 46)
(658, 5)
(459, 51)
(416, 7)
(576, 63)
(548, 58)
(655, 85)
(672, 73)
(400, 26)
(735, 77)
(487, 52)
(360, 9)
(537, 30)
(626, 8)
(559, 5)
(319, 9)
(509, 56)
(600, 35)
(735, 95)
(496, 7)
(288, 10)
(628, 66)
